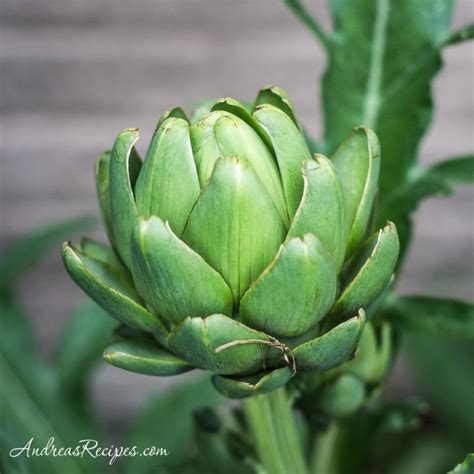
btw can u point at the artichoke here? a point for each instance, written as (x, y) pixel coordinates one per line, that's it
(343, 390)
(233, 249)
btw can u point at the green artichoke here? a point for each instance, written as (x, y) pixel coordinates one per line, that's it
(342, 390)
(234, 249)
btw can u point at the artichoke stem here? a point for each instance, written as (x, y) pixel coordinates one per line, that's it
(325, 454)
(274, 432)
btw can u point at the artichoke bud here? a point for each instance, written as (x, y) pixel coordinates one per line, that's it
(235, 249)
(235, 225)
(224, 135)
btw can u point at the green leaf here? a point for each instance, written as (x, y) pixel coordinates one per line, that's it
(466, 467)
(112, 289)
(277, 97)
(216, 447)
(430, 453)
(32, 407)
(102, 180)
(23, 252)
(168, 185)
(125, 166)
(434, 181)
(294, 292)
(391, 53)
(332, 348)
(309, 21)
(241, 387)
(321, 211)
(143, 355)
(439, 358)
(290, 150)
(464, 33)
(16, 336)
(220, 344)
(235, 226)
(8, 463)
(404, 200)
(167, 422)
(455, 170)
(425, 315)
(173, 279)
(80, 346)
(369, 272)
(357, 162)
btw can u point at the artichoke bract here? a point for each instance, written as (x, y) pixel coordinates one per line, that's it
(233, 249)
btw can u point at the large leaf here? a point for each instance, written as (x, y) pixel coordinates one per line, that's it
(443, 368)
(80, 346)
(391, 52)
(434, 181)
(167, 423)
(31, 407)
(438, 316)
(24, 251)
(33, 403)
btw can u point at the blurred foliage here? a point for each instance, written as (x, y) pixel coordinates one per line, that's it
(466, 467)
(41, 401)
(33, 402)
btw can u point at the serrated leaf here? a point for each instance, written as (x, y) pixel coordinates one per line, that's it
(425, 315)
(391, 54)
(455, 170)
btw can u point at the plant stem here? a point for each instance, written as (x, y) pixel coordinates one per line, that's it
(309, 21)
(324, 451)
(274, 431)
